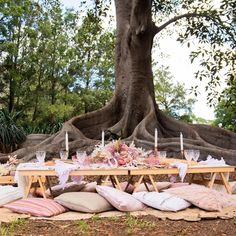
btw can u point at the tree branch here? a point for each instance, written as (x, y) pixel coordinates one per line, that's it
(176, 18)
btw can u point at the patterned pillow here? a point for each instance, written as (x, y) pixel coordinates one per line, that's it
(202, 197)
(84, 202)
(120, 200)
(8, 194)
(36, 207)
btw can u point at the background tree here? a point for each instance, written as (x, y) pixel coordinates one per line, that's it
(132, 112)
(172, 97)
(225, 110)
(45, 87)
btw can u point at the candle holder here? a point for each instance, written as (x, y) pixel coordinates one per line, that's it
(155, 152)
(182, 154)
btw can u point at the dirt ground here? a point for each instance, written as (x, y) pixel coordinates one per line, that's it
(120, 226)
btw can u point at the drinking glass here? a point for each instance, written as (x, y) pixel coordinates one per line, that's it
(162, 154)
(64, 155)
(196, 154)
(40, 155)
(188, 154)
(81, 157)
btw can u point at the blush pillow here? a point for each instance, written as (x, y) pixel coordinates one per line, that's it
(89, 187)
(84, 202)
(36, 207)
(203, 197)
(120, 200)
(160, 186)
(69, 187)
(8, 194)
(162, 201)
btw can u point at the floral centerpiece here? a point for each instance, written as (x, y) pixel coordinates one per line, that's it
(9, 166)
(117, 153)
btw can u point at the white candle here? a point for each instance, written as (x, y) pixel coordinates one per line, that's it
(181, 142)
(67, 142)
(156, 137)
(103, 136)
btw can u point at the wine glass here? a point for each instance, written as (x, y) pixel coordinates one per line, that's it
(81, 157)
(40, 155)
(188, 154)
(196, 154)
(162, 154)
(64, 155)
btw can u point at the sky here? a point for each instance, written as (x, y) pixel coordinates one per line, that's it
(180, 67)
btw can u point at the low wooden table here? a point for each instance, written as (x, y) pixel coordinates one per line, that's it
(39, 175)
(7, 179)
(213, 170)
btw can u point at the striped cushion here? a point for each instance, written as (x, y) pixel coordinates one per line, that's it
(36, 207)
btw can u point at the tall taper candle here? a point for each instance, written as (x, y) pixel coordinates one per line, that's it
(103, 136)
(156, 137)
(67, 142)
(181, 142)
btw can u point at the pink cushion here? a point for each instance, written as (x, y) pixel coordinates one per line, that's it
(89, 187)
(176, 185)
(36, 207)
(202, 197)
(69, 187)
(120, 200)
(160, 186)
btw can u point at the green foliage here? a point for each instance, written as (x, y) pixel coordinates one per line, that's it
(225, 110)
(171, 96)
(55, 63)
(10, 133)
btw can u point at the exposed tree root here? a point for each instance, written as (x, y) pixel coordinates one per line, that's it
(85, 132)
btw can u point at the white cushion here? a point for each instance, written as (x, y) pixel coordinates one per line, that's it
(162, 201)
(8, 194)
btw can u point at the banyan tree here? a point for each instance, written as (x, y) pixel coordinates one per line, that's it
(133, 114)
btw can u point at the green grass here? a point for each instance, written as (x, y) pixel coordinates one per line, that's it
(133, 222)
(8, 230)
(82, 227)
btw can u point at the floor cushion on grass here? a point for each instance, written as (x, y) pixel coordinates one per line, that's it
(68, 187)
(120, 200)
(203, 197)
(162, 201)
(36, 207)
(90, 187)
(84, 202)
(8, 194)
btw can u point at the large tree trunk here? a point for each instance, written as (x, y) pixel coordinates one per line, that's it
(133, 113)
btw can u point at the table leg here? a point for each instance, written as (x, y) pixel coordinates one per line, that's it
(117, 182)
(226, 183)
(42, 186)
(153, 183)
(139, 182)
(212, 180)
(130, 178)
(145, 184)
(28, 187)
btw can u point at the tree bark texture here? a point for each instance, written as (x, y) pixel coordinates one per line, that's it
(133, 113)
